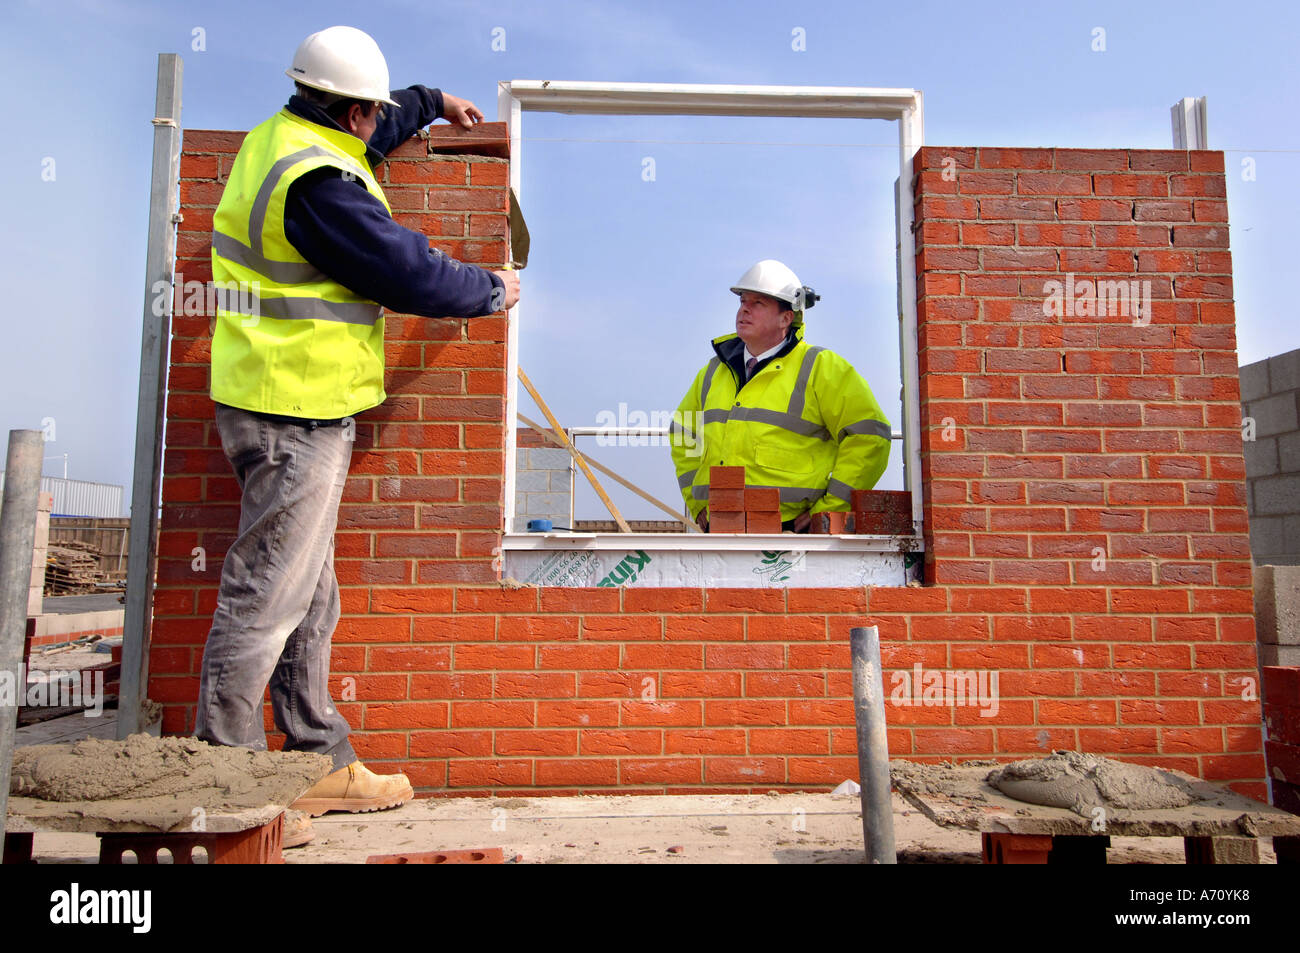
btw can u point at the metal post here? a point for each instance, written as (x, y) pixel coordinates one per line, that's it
(17, 541)
(873, 746)
(1189, 118)
(154, 339)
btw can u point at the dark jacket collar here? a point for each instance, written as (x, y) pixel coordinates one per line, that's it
(731, 352)
(313, 113)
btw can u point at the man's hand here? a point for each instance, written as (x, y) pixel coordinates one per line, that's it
(460, 111)
(802, 521)
(510, 279)
(702, 521)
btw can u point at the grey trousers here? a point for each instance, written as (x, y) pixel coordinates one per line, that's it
(279, 599)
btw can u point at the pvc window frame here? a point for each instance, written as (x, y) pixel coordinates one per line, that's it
(515, 97)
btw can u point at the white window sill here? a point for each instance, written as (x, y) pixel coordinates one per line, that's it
(710, 560)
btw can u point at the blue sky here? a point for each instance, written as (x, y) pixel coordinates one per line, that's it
(628, 278)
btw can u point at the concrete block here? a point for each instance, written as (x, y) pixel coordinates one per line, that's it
(551, 458)
(1277, 495)
(532, 481)
(1261, 457)
(561, 481)
(1290, 554)
(1284, 372)
(521, 459)
(1275, 415)
(1288, 454)
(1279, 654)
(548, 503)
(1254, 380)
(1266, 538)
(1277, 605)
(521, 504)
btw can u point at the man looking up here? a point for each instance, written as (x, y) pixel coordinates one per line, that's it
(795, 416)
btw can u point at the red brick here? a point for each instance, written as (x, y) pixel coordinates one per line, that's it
(536, 742)
(725, 500)
(578, 712)
(726, 522)
(744, 770)
(577, 771)
(621, 741)
(727, 478)
(704, 741)
(660, 770)
(488, 773)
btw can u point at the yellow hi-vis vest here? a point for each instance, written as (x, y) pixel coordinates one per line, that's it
(289, 340)
(806, 423)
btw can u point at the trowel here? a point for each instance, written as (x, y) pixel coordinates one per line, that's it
(518, 235)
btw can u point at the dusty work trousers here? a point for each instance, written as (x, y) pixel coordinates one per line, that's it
(279, 599)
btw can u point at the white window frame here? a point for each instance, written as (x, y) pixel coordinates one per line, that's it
(514, 97)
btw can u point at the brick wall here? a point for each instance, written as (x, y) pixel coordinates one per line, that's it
(1085, 520)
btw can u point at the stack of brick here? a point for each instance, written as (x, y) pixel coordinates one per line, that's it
(737, 508)
(1282, 747)
(882, 512)
(726, 499)
(1277, 614)
(762, 509)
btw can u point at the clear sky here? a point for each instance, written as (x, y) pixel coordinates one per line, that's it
(629, 275)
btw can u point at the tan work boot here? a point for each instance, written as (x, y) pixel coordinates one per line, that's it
(357, 789)
(297, 829)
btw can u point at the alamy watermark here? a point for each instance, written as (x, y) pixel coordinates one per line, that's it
(58, 689)
(1099, 299)
(658, 428)
(198, 298)
(950, 688)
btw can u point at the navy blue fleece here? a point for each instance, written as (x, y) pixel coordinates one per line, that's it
(338, 226)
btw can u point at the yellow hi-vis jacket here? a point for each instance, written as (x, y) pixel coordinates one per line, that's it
(289, 340)
(806, 423)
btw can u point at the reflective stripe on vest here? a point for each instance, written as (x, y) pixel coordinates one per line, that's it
(791, 419)
(789, 494)
(299, 343)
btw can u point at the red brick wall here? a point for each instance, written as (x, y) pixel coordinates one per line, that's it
(1044, 441)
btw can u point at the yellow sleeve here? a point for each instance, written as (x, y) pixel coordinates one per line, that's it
(687, 442)
(856, 424)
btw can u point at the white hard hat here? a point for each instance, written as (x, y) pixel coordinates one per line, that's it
(342, 60)
(773, 278)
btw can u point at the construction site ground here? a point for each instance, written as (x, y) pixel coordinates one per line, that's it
(773, 828)
(679, 829)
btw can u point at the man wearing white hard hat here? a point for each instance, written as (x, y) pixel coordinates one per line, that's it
(795, 416)
(304, 222)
